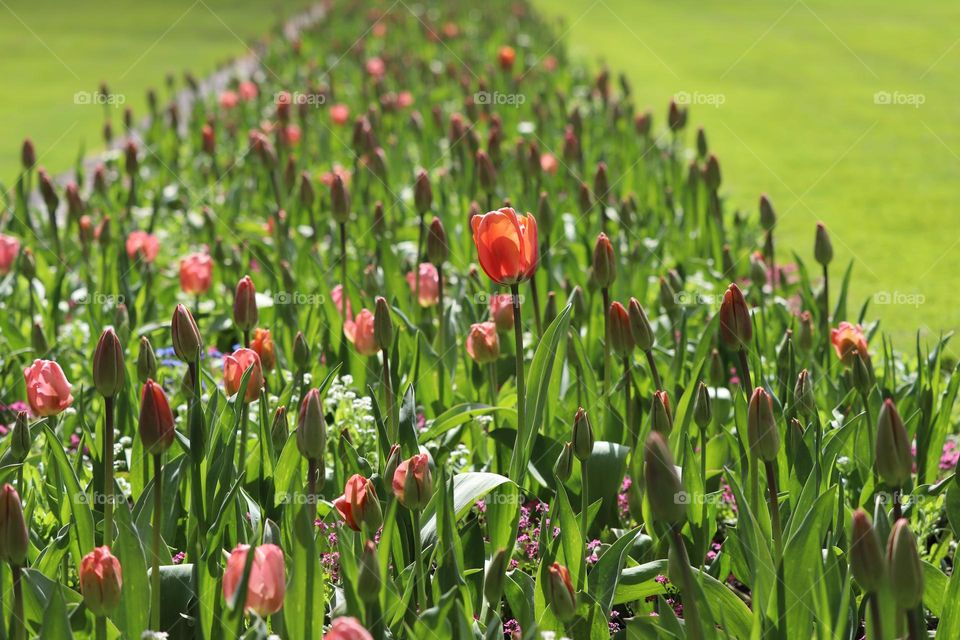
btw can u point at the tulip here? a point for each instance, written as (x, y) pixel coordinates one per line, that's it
(867, 561)
(245, 306)
(235, 365)
(906, 570)
(9, 251)
(501, 311)
(664, 490)
(20, 439)
(640, 326)
(846, 339)
(146, 361)
(186, 336)
(361, 333)
(483, 343)
(506, 56)
(702, 407)
(803, 395)
(263, 344)
(359, 504)
(28, 154)
(427, 289)
(582, 436)
(661, 417)
(369, 580)
(142, 245)
(822, 248)
(506, 245)
(267, 583)
(157, 428)
(301, 351)
(339, 199)
(736, 328)
(413, 482)
(48, 391)
(196, 274)
(762, 432)
(347, 628)
(559, 593)
(422, 193)
(563, 467)
(101, 581)
(805, 337)
(621, 336)
(14, 536)
(604, 262)
(437, 248)
(893, 452)
(108, 367)
(311, 426)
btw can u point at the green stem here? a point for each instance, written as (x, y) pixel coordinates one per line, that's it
(584, 508)
(157, 524)
(418, 562)
(653, 369)
(518, 465)
(876, 620)
(108, 471)
(388, 391)
(690, 607)
(441, 333)
(745, 372)
(19, 621)
(101, 628)
(774, 507)
(605, 293)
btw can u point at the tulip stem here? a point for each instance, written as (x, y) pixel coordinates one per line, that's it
(745, 372)
(313, 471)
(441, 332)
(19, 622)
(825, 323)
(101, 628)
(774, 506)
(897, 508)
(520, 443)
(627, 409)
(418, 561)
(535, 299)
(584, 508)
(653, 370)
(157, 524)
(605, 292)
(343, 272)
(876, 620)
(691, 609)
(388, 391)
(107, 471)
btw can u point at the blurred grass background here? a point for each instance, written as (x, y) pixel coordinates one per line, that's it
(799, 119)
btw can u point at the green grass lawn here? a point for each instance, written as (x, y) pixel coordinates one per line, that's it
(799, 120)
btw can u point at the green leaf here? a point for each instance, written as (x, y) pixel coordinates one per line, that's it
(467, 489)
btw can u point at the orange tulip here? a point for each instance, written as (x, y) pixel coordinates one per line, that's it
(234, 367)
(506, 245)
(267, 583)
(263, 344)
(101, 580)
(846, 339)
(141, 244)
(483, 343)
(359, 503)
(196, 274)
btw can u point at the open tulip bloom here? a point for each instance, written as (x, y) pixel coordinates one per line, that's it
(409, 326)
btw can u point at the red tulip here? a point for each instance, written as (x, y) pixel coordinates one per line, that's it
(48, 391)
(14, 536)
(429, 293)
(359, 504)
(228, 99)
(267, 583)
(156, 420)
(340, 114)
(196, 274)
(101, 580)
(501, 311)
(9, 250)
(558, 589)
(413, 482)
(185, 335)
(143, 245)
(245, 313)
(506, 57)
(483, 343)
(736, 328)
(360, 333)
(234, 367)
(347, 628)
(846, 339)
(506, 245)
(263, 344)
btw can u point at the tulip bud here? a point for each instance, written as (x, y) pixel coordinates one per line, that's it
(676, 117)
(392, 461)
(550, 309)
(486, 172)
(157, 429)
(311, 427)
(736, 327)
(130, 158)
(663, 484)
(640, 326)
(382, 325)
(805, 338)
(28, 155)
(601, 186)
(495, 577)
(582, 438)
(108, 368)
(279, 431)
(718, 375)
(579, 305)
(822, 248)
(711, 173)
(758, 270)
(121, 321)
(559, 593)
(14, 536)
(369, 580)
(702, 407)
(604, 262)
(621, 337)
(146, 361)
(702, 146)
(661, 417)
(862, 376)
(803, 395)
(186, 336)
(762, 433)
(906, 570)
(245, 313)
(437, 248)
(668, 296)
(301, 351)
(47, 190)
(101, 581)
(20, 439)
(866, 554)
(413, 482)
(563, 467)
(768, 218)
(38, 341)
(893, 454)
(339, 199)
(422, 193)
(379, 218)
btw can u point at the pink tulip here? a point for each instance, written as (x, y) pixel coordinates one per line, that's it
(196, 274)
(340, 114)
(267, 583)
(347, 628)
(483, 343)
(429, 285)
(141, 244)
(375, 67)
(360, 333)
(9, 250)
(548, 163)
(336, 295)
(228, 99)
(248, 91)
(47, 388)
(101, 581)
(234, 367)
(501, 311)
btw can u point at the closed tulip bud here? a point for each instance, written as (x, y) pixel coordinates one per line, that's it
(104, 232)
(893, 453)
(74, 201)
(20, 439)
(339, 199)
(601, 185)
(563, 467)
(822, 248)
(906, 570)
(278, 428)
(803, 395)
(640, 326)
(642, 123)
(267, 582)
(711, 173)
(130, 158)
(308, 194)
(758, 270)
(311, 427)
(422, 193)
(209, 139)
(668, 296)
(437, 248)
(392, 462)
(702, 407)
(483, 343)
(47, 190)
(28, 155)
(582, 438)
(108, 368)
(702, 146)
(762, 432)
(676, 117)
(621, 336)
(862, 376)
(301, 351)
(486, 172)
(550, 309)
(14, 536)
(718, 375)
(245, 313)
(583, 197)
(38, 341)
(579, 305)
(805, 337)
(736, 327)
(379, 218)
(186, 336)
(768, 217)
(146, 361)
(866, 553)
(101, 581)
(382, 325)
(661, 417)
(785, 355)
(156, 426)
(664, 490)
(604, 262)
(545, 211)
(559, 593)
(495, 577)
(413, 482)
(369, 581)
